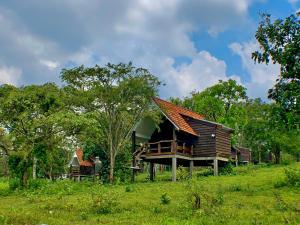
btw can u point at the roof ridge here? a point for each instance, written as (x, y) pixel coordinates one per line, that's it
(175, 114)
(184, 108)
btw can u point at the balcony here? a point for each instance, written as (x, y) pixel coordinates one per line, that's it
(167, 147)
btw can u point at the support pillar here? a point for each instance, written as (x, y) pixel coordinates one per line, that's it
(151, 171)
(216, 169)
(133, 156)
(191, 168)
(174, 168)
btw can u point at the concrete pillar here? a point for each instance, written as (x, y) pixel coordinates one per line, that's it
(191, 168)
(216, 169)
(174, 168)
(151, 171)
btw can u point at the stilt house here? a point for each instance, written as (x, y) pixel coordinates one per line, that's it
(80, 167)
(183, 138)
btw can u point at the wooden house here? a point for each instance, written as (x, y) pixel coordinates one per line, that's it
(79, 167)
(182, 138)
(240, 155)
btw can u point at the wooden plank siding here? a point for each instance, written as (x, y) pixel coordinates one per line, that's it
(205, 144)
(223, 144)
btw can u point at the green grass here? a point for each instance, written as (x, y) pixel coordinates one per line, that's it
(248, 197)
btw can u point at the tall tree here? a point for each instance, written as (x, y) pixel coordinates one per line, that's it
(280, 43)
(116, 96)
(34, 116)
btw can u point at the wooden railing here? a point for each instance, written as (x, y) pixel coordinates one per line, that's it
(169, 146)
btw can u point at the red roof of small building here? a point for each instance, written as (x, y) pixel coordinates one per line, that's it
(82, 162)
(175, 114)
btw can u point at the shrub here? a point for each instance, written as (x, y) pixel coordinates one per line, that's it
(227, 169)
(218, 199)
(292, 177)
(36, 184)
(205, 172)
(14, 183)
(280, 183)
(128, 189)
(165, 199)
(104, 203)
(182, 173)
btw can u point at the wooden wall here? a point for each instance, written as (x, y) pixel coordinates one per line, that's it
(223, 142)
(205, 144)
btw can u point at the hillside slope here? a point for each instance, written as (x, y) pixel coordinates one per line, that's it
(253, 196)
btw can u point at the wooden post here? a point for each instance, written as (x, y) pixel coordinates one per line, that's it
(191, 168)
(174, 167)
(174, 144)
(151, 171)
(216, 167)
(158, 148)
(133, 156)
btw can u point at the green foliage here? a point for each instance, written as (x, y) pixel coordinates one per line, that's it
(14, 183)
(279, 42)
(205, 172)
(235, 188)
(227, 169)
(104, 203)
(182, 173)
(165, 199)
(121, 91)
(292, 177)
(35, 117)
(256, 198)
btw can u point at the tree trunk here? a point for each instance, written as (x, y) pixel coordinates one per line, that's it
(277, 157)
(111, 168)
(25, 178)
(34, 168)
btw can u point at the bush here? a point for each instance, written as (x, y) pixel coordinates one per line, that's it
(227, 169)
(287, 159)
(182, 173)
(128, 189)
(165, 199)
(292, 177)
(14, 183)
(280, 183)
(205, 172)
(36, 184)
(104, 203)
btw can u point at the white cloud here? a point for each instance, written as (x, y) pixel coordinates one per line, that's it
(292, 1)
(204, 71)
(9, 75)
(262, 76)
(50, 64)
(149, 33)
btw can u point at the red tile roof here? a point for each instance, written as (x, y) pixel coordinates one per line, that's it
(175, 114)
(82, 162)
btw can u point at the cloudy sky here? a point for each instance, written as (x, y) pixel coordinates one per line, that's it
(188, 44)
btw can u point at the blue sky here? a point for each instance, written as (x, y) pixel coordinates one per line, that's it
(188, 44)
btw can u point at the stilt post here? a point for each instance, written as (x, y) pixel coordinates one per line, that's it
(151, 171)
(174, 168)
(216, 169)
(191, 168)
(133, 156)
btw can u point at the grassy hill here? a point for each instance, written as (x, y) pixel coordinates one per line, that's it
(255, 195)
